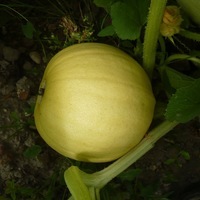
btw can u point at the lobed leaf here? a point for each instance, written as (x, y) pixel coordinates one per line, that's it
(128, 17)
(107, 31)
(184, 105)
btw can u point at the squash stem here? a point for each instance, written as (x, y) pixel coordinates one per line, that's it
(106, 175)
(80, 183)
(76, 185)
(152, 32)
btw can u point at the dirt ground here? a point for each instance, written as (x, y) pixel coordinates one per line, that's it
(18, 89)
(174, 161)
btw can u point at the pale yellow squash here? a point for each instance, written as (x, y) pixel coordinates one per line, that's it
(96, 103)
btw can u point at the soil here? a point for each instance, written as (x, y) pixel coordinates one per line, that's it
(28, 164)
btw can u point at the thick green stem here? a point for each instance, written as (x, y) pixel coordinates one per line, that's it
(106, 175)
(76, 185)
(94, 182)
(99, 179)
(80, 190)
(152, 32)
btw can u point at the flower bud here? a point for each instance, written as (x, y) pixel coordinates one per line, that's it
(171, 21)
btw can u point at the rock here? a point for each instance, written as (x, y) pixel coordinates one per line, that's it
(3, 64)
(10, 54)
(23, 88)
(27, 66)
(1, 49)
(7, 89)
(35, 56)
(4, 68)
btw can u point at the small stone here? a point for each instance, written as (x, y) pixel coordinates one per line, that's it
(27, 66)
(10, 54)
(23, 88)
(7, 89)
(4, 66)
(35, 56)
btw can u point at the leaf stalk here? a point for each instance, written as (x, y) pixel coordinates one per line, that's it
(99, 179)
(152, 33)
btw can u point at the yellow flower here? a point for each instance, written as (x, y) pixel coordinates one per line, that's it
(171, 21)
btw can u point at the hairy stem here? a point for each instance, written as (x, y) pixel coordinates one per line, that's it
(176, 57)
(190, 35)
(106, 175)
(99, 179)
(76, 185)
(152, 32)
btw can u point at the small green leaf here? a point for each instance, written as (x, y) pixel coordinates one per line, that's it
(184, 105)
(28, 30)
(173, 79)
(11, 189)
(185, 155)
(32, 151)
(170, 161)
(128, 17)
(177, 79)
(130, 175)
(148, 191)
(107, 31)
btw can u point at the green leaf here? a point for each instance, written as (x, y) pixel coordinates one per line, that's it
(172, 79)
(32, 151)
(185, 155)
(130, 175)
(128, 17)
(103, 3)
(184, 105)
(11, 189)
(147, 191)
(177, 79)
(107, 31)
(28, 30)
(170, 161)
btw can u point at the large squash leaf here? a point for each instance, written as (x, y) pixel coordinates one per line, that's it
(128, 17)
(184, 105)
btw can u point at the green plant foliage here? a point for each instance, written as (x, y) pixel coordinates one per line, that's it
(103, 3)
(190, 35)
(147, 192)
(124, 19)
(32, 151)
(184, 105)
(14, 190)
(128, 17)
(185, 155)
(170, 161)
(130, 174)
(173, 79)
(28, 30)
(107, 31)
(176, 79)
(176, 160)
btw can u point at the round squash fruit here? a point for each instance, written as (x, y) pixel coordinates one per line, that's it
(95, 103)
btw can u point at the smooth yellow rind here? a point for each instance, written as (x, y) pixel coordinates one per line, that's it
(97, 105)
